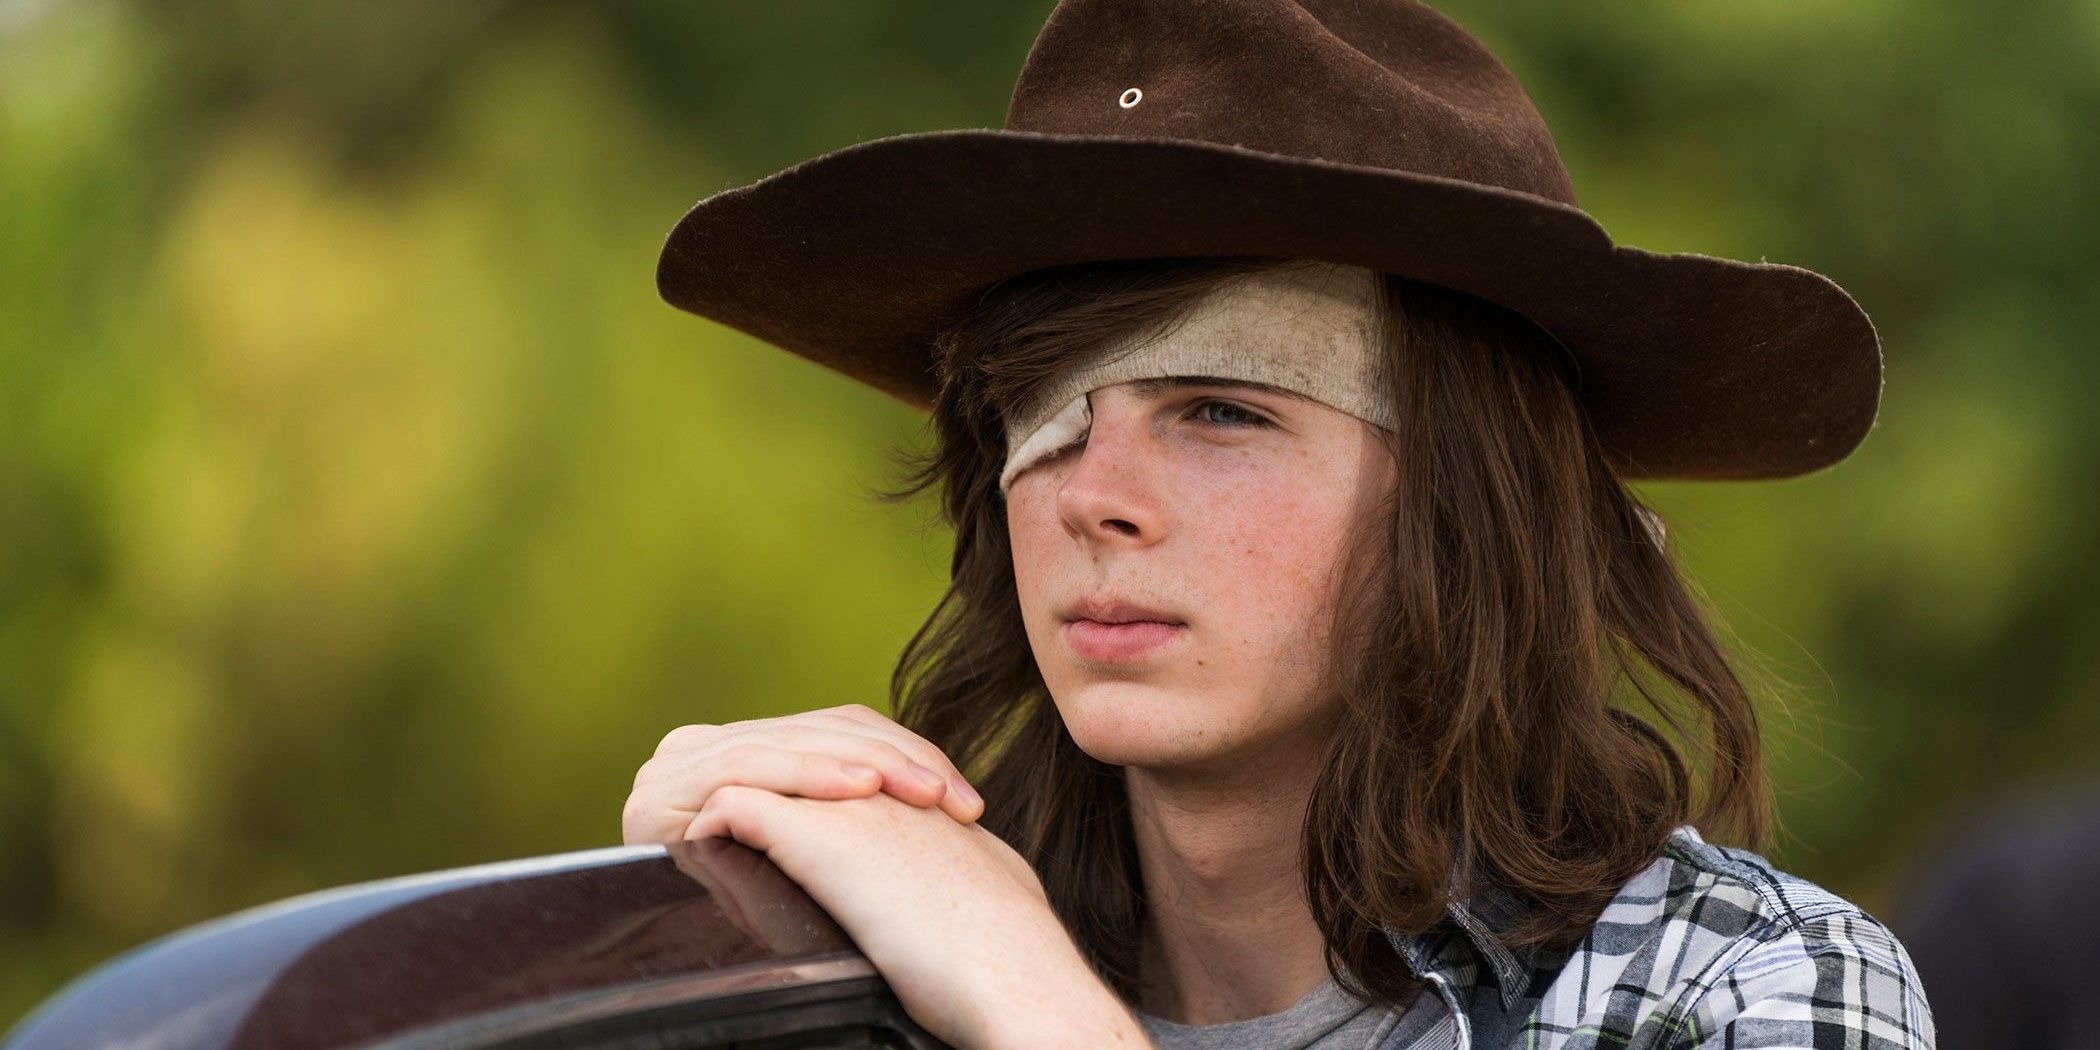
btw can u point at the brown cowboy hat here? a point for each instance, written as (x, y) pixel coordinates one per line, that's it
(1374, 133)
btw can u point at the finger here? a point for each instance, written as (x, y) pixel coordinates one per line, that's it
(921, 750)
(663, 805)
(742, 813)
(902, 776)
(928, 765)
(680, 776)
(940, 782)
(858, 717)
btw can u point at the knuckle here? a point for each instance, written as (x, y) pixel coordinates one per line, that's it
(924, 754)
(687, 736)
(933, 758)
(888, 754)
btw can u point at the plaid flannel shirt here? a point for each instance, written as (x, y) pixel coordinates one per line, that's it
(1708, 948)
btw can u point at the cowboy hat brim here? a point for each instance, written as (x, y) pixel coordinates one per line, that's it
(1692, 366)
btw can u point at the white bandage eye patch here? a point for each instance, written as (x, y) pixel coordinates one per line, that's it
(1310, 328)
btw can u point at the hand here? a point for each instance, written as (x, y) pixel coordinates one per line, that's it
(843, 752)
(953, 918)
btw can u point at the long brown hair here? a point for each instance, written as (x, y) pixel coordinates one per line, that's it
(1504, 618)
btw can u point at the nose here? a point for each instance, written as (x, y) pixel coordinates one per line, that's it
(1111, 497)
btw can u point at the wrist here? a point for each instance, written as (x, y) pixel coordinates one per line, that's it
(1071, 1024)
(1067, 1009)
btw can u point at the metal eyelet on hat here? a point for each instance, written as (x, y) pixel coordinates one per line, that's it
(1130, 98)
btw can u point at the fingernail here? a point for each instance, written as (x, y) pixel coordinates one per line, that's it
(968, 793)
(856, 771)
(927, 776)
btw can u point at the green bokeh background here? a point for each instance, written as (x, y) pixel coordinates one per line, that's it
(363, 511)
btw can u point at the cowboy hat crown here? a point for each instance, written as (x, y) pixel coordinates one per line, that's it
(1386, 84)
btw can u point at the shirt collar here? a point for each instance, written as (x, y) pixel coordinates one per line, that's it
(1482, 919)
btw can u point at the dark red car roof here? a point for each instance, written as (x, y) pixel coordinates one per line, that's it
(465, 956)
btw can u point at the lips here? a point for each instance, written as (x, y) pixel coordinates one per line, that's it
(1117, 611)
(1116, 642)
(1108, 630)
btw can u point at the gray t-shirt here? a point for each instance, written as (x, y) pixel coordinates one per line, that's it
(1328, 1018)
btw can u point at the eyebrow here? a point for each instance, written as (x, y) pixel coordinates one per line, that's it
(1151, 388)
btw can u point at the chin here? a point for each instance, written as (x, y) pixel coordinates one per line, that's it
(1127, 723)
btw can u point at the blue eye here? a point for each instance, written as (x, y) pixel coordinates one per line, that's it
(1249, 417)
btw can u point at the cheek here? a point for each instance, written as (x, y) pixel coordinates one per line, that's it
(1274, 546)
(1034, 536)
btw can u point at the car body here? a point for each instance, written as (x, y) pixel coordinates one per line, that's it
(698, 944)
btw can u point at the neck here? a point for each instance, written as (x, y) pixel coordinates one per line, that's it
(1228, 932)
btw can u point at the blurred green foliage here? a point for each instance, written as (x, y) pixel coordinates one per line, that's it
(363, 511)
